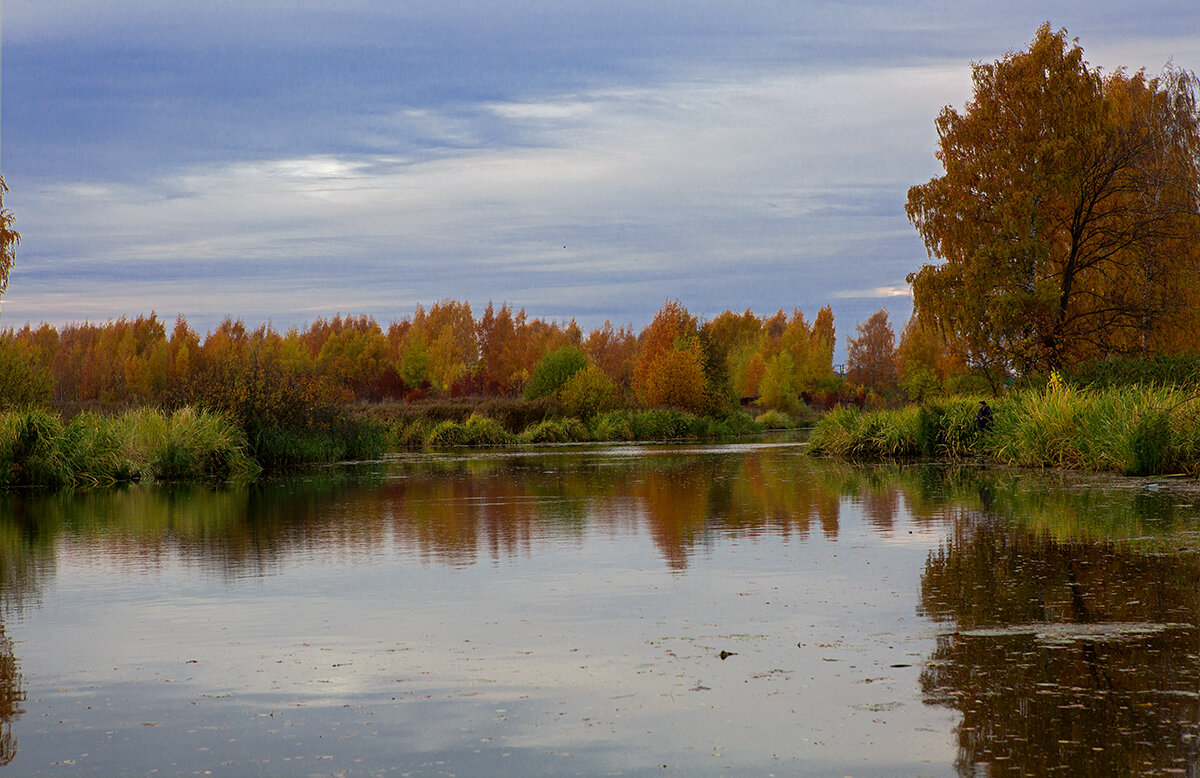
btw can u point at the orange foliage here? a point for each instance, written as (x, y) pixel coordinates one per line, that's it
(264, 377)
(871, 357)
(614, 351)
(670, 368)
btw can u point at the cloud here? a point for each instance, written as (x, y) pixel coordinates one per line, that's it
(695, 175)
(874, 293)
(295, 159)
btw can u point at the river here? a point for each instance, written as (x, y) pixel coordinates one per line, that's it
(630, 610)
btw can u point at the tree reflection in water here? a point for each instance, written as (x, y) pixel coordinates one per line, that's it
(20, 570)
(1067, 650)
(1070, 656)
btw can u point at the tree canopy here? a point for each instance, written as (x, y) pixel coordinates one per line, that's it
(9, 238)
(1065, 225)
(871, 357)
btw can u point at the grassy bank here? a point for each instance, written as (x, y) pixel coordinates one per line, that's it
(41, 448)
(1135, 430)
(653, 424)
(38, 448)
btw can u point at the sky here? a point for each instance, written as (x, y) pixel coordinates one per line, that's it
(283, 161)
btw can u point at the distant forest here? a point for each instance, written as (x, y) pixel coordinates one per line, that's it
(780, 361)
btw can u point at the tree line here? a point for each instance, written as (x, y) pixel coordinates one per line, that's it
(678, 360)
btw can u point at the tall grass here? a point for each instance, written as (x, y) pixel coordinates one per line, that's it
(38, 449)
(30, 450)
(477, 430)
(556, 431)
(854, 434)
(277, 448)
(1135, 430)
(670, 424)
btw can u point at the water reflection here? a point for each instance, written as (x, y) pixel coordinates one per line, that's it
(445, 510)
(1070, 656)
(1068, 609)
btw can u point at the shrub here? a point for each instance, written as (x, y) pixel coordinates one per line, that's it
(775, 420)
(614, 425)
(674, 377)
(553, 371)
(588, 392)
(556, 431)
(778, 390)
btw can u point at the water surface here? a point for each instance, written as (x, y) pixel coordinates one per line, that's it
(643, 611)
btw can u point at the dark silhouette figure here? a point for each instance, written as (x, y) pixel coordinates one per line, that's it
(983, 417)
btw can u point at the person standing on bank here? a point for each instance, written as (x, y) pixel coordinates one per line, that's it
(983, 417)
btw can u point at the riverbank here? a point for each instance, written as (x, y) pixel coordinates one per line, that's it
(40, 448)
(466, 426)
(86, 449)
(1134, 430)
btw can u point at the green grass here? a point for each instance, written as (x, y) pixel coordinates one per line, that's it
(775, 420)
(477, 430)
(277, 448)
(556, 431)
(38, 449)
(850, 433)
(1135, 430)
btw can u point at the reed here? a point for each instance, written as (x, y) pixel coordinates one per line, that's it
(665, 424)
(279, 448)
(775, 420)
(851, 433)
(613, 426)
(38, 449)
(185, 445)
(30, 454)
(1135, 430)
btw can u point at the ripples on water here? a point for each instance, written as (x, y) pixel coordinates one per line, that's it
(632, 610)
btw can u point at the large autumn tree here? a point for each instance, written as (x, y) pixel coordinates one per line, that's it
(1065, 226)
